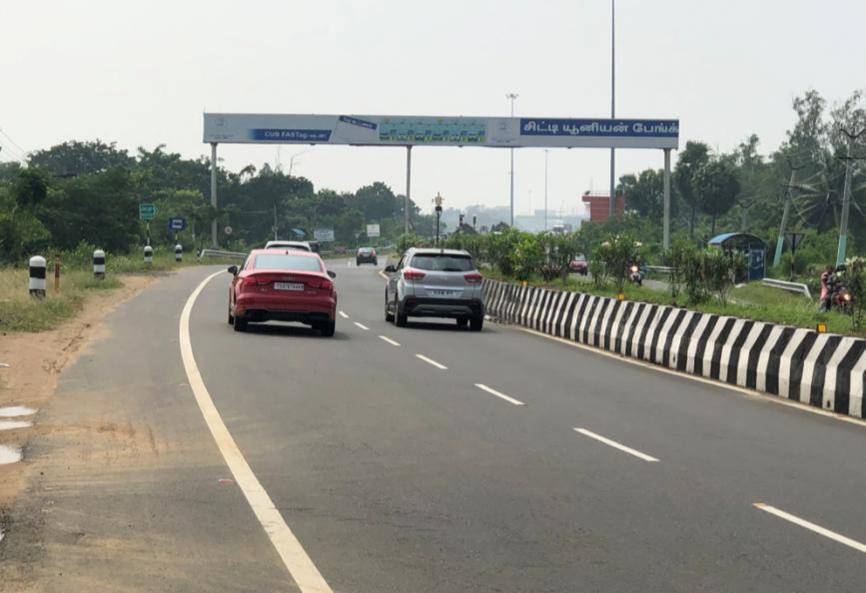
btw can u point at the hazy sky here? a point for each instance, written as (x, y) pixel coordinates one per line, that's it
(142, 73)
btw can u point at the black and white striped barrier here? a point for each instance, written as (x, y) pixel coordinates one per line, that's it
(99, 264)
(36, 281)
(822, 370)
(178, 252)
(148, 254)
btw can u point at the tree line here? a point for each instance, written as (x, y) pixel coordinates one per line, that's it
(89, 192)
(745, 191)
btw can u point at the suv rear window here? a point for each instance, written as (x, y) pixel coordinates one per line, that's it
(436, 262)
(287, 262)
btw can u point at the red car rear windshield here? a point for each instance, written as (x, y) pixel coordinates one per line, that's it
(279, 261)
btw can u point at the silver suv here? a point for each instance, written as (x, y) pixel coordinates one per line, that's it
(434, 283)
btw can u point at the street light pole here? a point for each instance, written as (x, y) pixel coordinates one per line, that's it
(545, 188)
(612, 204)
(438, 200)
(512, 97)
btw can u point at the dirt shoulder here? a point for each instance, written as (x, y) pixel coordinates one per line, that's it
(36, 361)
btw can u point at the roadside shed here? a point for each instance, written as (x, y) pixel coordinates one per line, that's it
(752, 246)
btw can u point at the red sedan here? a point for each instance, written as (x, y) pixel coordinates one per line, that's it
(283, 285)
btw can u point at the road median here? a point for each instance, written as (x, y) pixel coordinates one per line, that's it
(818, 369)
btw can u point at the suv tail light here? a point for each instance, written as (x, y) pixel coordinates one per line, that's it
(412, 274)
(473, 278)
(373, 252)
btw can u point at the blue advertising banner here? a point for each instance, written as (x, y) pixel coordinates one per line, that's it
(282, 135)
(636, 128)
(358, 122)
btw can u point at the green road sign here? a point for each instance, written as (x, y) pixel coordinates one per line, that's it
(146, 211)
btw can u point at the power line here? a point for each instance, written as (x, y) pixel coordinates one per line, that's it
(23, 152)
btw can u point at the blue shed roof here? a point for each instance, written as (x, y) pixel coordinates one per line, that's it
(720, 239)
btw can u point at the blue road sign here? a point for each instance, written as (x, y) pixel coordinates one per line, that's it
(176, 224)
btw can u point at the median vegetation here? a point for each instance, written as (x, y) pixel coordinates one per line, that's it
(700, 279)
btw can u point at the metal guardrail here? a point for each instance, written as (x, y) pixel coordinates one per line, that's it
(219, 253)
(797, 287)
(660, 269)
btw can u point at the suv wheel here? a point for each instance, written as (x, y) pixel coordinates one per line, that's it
(400, 317)
(462, 321)
(389, 317)
(476, 323)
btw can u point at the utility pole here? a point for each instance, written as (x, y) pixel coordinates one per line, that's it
(213, 192)
(275, 222)
(780, 242)
(545, 188)
(612, 205)
(512, 97)
(846, 197)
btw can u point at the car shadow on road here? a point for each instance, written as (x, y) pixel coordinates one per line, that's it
(286, 330)
(441, 326)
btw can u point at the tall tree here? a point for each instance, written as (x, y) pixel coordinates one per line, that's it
(716, 182)
(693, 157)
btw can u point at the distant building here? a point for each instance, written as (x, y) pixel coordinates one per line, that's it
(599, 206)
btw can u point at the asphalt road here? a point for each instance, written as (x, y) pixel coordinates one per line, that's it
(398, 475)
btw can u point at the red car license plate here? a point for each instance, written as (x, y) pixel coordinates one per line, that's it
(288, 286)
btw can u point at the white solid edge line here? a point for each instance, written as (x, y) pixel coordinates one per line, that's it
(499, 394)
(389, 340)
(294, 557)
(736, 388)
(343, 315)
(361, 325)
(615, 445)
(812, 527)
(431, 361)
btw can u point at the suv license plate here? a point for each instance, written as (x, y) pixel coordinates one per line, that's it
(288, 286)
(444, 293)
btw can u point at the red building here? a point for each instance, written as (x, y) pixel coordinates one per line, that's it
(599, 207)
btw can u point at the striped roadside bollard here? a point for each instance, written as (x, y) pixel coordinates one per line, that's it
(178, 252)
(99, 264)
(36, 283)
(148, 254)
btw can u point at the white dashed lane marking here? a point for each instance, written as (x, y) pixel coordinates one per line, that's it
(431, 362)
(812, 527)
(343, 315)
(389, 340)
(362, 326)
(499, 394)
(615, 445)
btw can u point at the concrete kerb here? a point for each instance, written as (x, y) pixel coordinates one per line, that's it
(820, 370)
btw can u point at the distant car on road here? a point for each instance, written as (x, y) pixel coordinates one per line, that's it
(435, 283)
(578, 265)
(366, 255)
(297, 245)
(283, 286)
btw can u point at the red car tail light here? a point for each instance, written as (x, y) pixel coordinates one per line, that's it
(473, 278)
(320, 283)
(249, 282)
(412, 274)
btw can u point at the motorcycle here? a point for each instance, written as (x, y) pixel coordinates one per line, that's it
(839, 295)
(635, 275)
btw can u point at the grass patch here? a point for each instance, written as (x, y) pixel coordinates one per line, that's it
(21, 312)
(753, 301)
